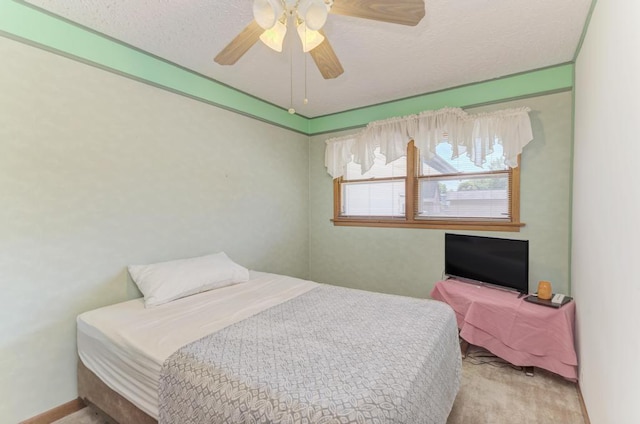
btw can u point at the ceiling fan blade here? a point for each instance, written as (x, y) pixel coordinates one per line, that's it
(240, 45)
(403, 12)
(326, 59)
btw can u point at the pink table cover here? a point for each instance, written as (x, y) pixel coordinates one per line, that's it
(523, 333)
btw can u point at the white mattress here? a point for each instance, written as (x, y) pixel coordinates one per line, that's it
(126, 344)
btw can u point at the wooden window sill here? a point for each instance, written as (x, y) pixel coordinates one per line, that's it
(429, 224)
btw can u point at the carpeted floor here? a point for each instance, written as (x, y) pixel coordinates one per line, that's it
(495, 392)
(492, 392)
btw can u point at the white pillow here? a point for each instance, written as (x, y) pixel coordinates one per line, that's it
(166, 281)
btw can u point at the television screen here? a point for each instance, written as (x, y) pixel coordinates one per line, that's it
(501, 262)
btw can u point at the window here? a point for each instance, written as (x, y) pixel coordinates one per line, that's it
(446, 191)
(378, 192)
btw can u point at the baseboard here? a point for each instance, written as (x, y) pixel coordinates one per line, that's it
(56, 413)
(583, 406)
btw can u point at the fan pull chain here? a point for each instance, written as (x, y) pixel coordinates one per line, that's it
(291, 109)
(306, 99)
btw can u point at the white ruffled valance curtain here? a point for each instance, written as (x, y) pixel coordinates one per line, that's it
(476, 132)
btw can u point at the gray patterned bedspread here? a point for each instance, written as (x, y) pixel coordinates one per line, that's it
(331, 355)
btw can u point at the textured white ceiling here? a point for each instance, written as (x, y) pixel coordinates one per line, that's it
(458, 42)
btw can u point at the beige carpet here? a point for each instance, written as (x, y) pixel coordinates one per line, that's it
(492, 392)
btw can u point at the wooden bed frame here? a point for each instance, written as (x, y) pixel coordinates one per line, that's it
(93, 390)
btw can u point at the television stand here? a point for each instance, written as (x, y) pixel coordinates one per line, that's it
(464, 349)
(522, 333)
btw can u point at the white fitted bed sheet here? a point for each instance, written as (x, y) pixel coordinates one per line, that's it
(125, 344)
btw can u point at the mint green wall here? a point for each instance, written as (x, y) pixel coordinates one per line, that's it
(98, 172)
(410, 261)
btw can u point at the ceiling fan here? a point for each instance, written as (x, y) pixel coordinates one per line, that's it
(272, 18)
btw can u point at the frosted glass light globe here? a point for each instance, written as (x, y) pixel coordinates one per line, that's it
(267, 12)
(314, 13)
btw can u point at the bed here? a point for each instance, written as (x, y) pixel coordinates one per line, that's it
(273, 349)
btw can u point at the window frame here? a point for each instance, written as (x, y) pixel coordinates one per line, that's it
(411, 221)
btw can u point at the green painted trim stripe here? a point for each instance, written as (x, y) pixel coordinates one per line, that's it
(514, 86)
(35, 27)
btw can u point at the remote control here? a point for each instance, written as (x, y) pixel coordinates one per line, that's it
(557, 298)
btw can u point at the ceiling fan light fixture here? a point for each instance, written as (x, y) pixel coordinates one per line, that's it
(310, 39)
(314, 13)
(274, 36)
(267, 12)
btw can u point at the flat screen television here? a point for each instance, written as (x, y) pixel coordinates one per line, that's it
(496, 261)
